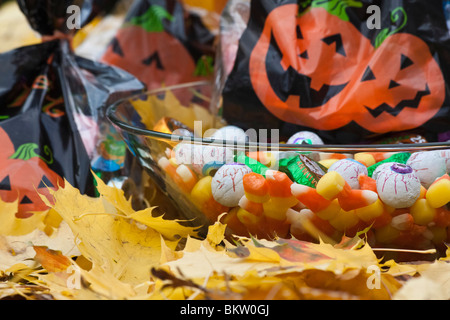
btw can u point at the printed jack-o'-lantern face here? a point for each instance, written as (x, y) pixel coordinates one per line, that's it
(401, 86)
(157, 58)
(325, 78)
(323, 54)
(23, 176)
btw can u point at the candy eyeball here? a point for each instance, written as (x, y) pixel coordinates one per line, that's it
(305, 137)
(398, 186)
(350, 170)
(231, 134)
(197, 155)
(428, 166)
(227, 184)
(446, 155)
(380, 168)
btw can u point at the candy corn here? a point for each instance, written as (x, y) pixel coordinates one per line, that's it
(309, 197)
(201, 195)
(438, 194)
(182, 175)
(367, 183)
(256, 188)
(422, 212)
(327, 163)
(350, 199)
(187, 176)
(333, 185)
(403, 222)
(344, 220)
(371, 158)
(370, 212)
(256, 209)
(281, 197)
(330, 211)
(232, 221)
(330, 185)
(250, 220)
(365, 158)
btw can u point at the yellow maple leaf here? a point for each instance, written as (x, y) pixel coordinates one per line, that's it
(115, 196)
(124, 243)
(12, 226)
(170, 229)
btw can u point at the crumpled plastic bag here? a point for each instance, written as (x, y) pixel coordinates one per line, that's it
(52, 111)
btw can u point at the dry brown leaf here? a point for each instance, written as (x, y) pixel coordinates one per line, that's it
(51, 260)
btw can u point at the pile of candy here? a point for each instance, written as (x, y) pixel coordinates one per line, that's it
(400, 198)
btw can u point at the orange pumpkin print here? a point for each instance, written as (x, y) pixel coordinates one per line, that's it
(145, 48)
(401, 87)
(156, 59)
(338, 77)
(23, 176)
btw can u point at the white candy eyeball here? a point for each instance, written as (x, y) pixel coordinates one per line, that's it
(227, 184)
(197, 155)
(380, 168)
(398, 186)
(305, 137)
(446, 155)
(350, 170)
(428, 166)
(231, 134)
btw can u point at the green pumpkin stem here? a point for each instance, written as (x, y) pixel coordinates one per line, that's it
(334, 7)
(396, 14)
(27, 151)
(151, 21)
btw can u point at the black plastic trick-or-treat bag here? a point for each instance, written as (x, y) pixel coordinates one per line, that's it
(349, 70)
(52, 106)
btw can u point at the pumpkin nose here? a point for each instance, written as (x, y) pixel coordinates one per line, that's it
(25, 200)
(393, 84)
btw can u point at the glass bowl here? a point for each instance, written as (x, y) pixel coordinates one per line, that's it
(173, 132)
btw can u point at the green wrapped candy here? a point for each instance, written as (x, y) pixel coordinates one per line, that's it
(253, 164)
(302, 170)
(401, 157)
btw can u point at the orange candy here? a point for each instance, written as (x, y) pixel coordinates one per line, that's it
(350, 199)
(279, 184)
(256, 187)
(367, 183)
(309, 197)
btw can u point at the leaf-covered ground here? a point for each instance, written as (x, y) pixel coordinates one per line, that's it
(101, 249)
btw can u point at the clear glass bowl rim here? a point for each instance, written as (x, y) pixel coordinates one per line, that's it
(328, 148)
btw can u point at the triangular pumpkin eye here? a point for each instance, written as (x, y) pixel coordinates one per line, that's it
(25, 200)
(5, 184)
(405, 62)
(304, 55)
(116, 48)
(45, 183)
(368, 75)
(299, 32)
(337, 39)
(154, 58)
